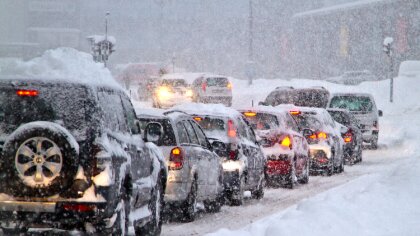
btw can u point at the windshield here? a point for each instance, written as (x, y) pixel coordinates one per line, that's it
(262, 121)
(352, 103)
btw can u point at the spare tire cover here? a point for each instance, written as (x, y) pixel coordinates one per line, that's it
(39, 159)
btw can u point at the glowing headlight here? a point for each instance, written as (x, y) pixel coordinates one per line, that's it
(163, 92)
(189, 93)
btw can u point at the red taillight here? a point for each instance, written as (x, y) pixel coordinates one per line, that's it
(27, 93)
(204, 86)
(312, 136)
(233, 154)
(176, 159)
(322, 135)
(286, 142)
(294, 112)
(79, 207)
(231, 129)
(348, 137)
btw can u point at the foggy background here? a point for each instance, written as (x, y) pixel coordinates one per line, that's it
(290, 38)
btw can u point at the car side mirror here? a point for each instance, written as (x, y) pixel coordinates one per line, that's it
(153, 132)
(380, 113)
(219, 148)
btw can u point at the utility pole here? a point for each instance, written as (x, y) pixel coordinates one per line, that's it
(387, 47)
(250, 64)
(106, 34)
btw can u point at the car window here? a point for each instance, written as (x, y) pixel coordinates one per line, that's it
(200, 134)
(191, 133)
(262, 121)
(130, 115)
(340, 117)
(182, 133)
(352, 103)
(113, 112)
(291, 123)
(168, 138)
(219, 82)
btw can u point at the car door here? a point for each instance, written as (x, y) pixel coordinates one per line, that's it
(213, 165)
(199, 158)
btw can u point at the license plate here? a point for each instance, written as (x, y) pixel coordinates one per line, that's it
(218, 91)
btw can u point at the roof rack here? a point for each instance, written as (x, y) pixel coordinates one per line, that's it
(285, 87)
(173, 111)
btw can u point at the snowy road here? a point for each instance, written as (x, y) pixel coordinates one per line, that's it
(276, 200)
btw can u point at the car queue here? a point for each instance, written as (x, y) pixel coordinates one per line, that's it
(291, 135)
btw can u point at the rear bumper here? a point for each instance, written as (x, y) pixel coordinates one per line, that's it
(176, 192)
(278, 167)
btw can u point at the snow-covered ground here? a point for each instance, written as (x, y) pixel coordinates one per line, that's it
(377, 197)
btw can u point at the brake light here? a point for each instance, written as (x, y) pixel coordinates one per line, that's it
(286, 142)
(231, 129)
(348, 137)
(322, 135)
(229, 85)
(197, 118)
(312, 136)
(204, 86)
(294, 112)
(78, 207)
(176, 159)
(250, 114)
(27, 93)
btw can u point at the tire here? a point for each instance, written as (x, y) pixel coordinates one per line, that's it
(190, 205)
(258, 193)
(305, 178)
(41, 159)
(236, 198)
(120, 226)
(330, 171)
(292, 177)
(154, 227)
(340, 169)
(374, 143)
(214, 206)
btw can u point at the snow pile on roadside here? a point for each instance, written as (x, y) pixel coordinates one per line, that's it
(62, 63)
(384, 203)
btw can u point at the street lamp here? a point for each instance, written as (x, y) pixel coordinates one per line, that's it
(387, 47)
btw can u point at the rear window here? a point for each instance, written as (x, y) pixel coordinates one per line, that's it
(174, 82)
(352, 103)
(340, 117)
(262, 121)
(168, 133)
(212, 127)
(311, 98)
(219, 82)
(51, 104)
(307, 121)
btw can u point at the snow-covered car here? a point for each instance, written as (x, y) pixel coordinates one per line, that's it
(352, 136)
(285, 148)
(212, 89)
(324, 138)
(363, 107)
(305, 97)
(72, 158)
(195, 171)
(243, 159)
(170, 92)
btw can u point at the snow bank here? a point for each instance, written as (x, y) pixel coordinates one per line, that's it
(62, 63)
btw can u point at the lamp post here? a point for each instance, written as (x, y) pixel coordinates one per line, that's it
(106, 34)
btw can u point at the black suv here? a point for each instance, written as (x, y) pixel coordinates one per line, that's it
(304, 97)
(72, 159)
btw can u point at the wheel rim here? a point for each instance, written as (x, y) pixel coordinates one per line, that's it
(38, 161)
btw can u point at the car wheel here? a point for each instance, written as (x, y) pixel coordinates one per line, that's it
(214, 205)
(360, 156)
(330, 170)
(190, 205)
(258, 193)
(237, 195)
(120, 226)
(341, 167)
(305, 178)
(154, 227)
(42, 161)
(292, 178)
